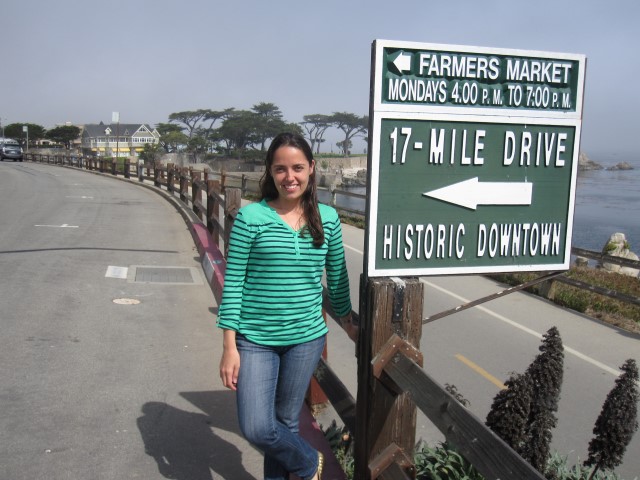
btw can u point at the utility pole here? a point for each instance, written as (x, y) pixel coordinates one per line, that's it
(115, 117)
(25, 129)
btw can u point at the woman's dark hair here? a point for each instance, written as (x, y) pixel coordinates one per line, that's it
(309, 198)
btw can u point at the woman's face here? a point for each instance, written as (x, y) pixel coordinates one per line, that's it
(291, 171)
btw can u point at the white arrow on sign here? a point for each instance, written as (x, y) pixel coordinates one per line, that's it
(471, 193)
(403, 62)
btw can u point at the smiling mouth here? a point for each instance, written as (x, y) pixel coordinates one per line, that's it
(290, 188)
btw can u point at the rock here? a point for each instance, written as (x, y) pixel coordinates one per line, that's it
(582, 262)
(621, 166)
(585, 163)
(617, 246)
(354, 177)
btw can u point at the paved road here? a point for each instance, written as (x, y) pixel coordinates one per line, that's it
(477, 349)
(92, 389)
(88, 385)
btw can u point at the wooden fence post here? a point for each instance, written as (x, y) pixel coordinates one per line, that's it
(223, 178)
(196, 193)
(156, 176)
(385, 421)
(170, 177)
(232, 203)
(244, 184)
(184, 185)
(213, 210)
(127, 167)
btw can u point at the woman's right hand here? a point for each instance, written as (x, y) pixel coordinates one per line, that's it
(230, 361)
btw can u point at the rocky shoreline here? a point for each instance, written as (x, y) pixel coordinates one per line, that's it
(586, 164)
(357, 177)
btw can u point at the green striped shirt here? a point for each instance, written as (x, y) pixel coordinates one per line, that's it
(272, 286)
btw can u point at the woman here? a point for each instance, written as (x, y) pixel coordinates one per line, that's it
(271, 309)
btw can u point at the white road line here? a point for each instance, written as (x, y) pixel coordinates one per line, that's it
(354, 249)
(508, 321)
(64, 225)
(504, 319)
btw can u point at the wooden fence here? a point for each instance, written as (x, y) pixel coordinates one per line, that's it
(391, 381)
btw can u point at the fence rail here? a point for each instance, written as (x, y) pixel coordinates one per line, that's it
(396, 367)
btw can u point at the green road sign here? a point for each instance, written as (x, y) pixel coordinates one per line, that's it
(471, 188)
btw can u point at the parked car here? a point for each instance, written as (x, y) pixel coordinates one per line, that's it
(11, 150)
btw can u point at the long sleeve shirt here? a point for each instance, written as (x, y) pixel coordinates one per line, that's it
(272, 288)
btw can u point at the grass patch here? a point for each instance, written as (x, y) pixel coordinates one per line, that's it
(615, 312)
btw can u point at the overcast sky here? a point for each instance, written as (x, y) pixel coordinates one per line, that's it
(80, 60)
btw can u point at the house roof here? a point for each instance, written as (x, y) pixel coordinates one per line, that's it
(122, 129)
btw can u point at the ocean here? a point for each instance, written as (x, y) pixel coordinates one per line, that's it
(607, 202)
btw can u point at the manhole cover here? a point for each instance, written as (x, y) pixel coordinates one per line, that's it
(166, 275)
(126, 301)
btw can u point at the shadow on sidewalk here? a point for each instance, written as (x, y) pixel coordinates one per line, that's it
(184, 444)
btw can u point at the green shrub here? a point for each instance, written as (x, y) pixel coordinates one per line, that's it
(443, 463)
(558, 469)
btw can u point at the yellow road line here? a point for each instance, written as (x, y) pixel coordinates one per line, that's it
(481, 371)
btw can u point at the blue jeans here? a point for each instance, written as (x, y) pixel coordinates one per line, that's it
(272, 384)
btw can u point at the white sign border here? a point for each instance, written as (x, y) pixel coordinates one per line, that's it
(372, 221)
(380, 45)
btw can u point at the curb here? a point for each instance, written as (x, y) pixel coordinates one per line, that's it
(211, 258)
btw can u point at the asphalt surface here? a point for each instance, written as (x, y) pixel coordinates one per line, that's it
(104, 376)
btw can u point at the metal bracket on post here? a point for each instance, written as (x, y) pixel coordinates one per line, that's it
(394, 346)
(390, 456)
(398, 299)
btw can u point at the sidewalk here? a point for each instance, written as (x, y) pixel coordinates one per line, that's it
(213, 266)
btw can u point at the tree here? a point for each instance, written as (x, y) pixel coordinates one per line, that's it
(207, 132)
(15, 131)
(239, 130)
(510, 412)
(270, 122)
(316, 125)
(190, 119)
(151, 153)
(351, 125)
(617, 423)
(197, 145)
(64, 134)
(343, 147)
(214, 115)
(171, 137)
(545, 373)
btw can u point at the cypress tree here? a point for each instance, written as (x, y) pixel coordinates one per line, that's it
(546, 374)
(510, 411)
(617, 423)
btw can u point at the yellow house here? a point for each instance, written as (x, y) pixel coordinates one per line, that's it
(119, 140)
